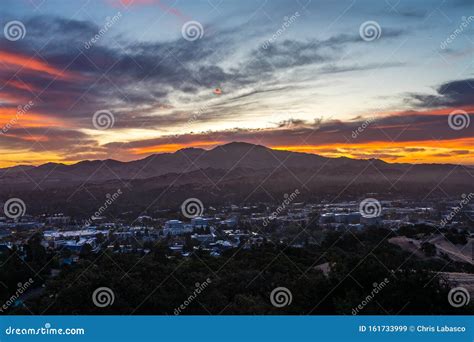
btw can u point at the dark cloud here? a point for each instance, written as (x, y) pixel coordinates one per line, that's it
(414, 149)
(285, 53)
(402, 127)
(462, 3)
(136, 74)
(413, 13)
(451, 94)
(40, 139)
(135, 80)
(458, 152)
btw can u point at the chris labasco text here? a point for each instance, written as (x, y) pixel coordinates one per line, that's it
(440, 329)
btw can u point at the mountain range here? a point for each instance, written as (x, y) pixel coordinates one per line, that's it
(235, 171)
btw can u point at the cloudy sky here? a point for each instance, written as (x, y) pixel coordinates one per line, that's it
(124, 79)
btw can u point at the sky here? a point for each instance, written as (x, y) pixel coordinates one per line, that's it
(123, 79)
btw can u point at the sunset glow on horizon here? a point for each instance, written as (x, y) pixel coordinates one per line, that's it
(407, 99)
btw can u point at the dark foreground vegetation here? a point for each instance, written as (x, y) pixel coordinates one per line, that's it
(241, 280)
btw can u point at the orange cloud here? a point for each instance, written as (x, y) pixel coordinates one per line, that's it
(162, 148)
(13, 118)
(427, 151)
(21, 85)
(9, 158)
(12, 98)
(32, 64)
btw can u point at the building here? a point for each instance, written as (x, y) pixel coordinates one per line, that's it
(200, 222)
(204, 238)
(51, 235)
(76, 246)
(176, 227)
(58, 219)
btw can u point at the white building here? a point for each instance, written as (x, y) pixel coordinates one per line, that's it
(176, 227)
(200, 222)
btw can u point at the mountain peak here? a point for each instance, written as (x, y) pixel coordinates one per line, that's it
(257, 160)
(190, 149)
(239, 144)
